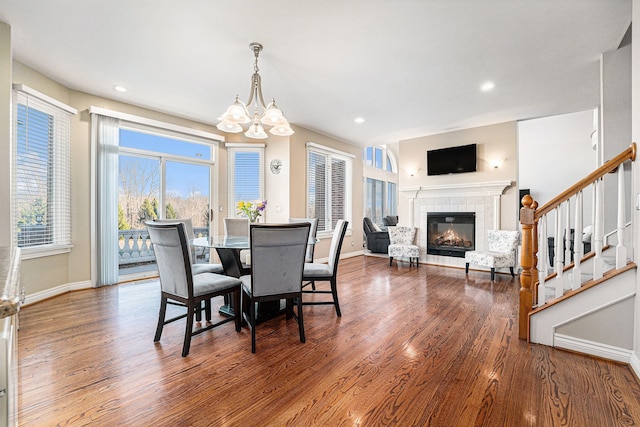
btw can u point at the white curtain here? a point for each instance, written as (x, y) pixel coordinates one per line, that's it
(107, 138)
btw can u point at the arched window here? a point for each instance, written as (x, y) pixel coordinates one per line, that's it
(381, 183)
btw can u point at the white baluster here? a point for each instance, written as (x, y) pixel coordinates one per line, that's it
(577, 243)
(559, 250)
(598, 226)
(621, 250)
(567, 233)
(543, 260)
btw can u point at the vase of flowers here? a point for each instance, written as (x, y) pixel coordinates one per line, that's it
(252, 210)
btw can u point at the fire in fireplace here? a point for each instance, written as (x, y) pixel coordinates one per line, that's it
(451, 233)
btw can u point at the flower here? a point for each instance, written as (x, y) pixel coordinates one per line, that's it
(251, 210)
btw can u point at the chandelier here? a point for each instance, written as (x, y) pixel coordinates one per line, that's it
(269, 115)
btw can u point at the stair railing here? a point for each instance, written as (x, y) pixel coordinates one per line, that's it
(534, 223)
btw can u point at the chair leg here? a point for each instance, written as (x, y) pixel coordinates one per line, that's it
(334, 292)
(289, 308)
(300, 319)
(237, 310)
(390, 261)
(512, 273)
(198, 310)
(161, 316)
(188, 332)
(466, 268)
(252, 324)
(493, 274)
(207, 309)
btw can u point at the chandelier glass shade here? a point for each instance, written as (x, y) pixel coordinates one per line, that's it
(269, 115)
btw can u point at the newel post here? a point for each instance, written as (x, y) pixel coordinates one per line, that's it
(526, 262)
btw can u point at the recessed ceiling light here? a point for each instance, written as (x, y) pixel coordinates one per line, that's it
(487, 86)
(119, 88)
(359, 120)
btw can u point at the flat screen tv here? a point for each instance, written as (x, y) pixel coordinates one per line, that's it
(459, 159)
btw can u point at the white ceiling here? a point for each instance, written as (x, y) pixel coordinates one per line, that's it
(409, 67)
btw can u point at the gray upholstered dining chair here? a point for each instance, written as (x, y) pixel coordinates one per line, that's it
(179, 286)
(239, 227)
(196, 268)
(316, 272)
(313, 231)
(277, 259)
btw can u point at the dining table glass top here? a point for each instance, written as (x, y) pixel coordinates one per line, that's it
(230, 242)
(222, 242)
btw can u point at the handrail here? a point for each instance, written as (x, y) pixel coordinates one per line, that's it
(609, 166)
(530, 214)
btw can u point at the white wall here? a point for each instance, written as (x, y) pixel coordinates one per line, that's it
(558, 144)
(635, 136)
(616, 123)
(5, 131)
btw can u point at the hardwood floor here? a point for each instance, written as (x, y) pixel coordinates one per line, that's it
(423, 346)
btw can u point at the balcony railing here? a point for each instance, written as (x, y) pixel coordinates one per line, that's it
(134, 246)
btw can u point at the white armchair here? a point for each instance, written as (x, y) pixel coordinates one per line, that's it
(501, 253)
(401, 244)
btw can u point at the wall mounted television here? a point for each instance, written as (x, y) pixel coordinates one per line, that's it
(459, 159)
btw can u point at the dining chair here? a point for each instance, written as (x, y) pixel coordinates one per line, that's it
(179, 286)
(313, 231)
(239, 227)
(317, 272)
(277, 259)
(196, 268)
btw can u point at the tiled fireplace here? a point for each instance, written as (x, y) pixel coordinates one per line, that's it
(482, 200)
(451, 233)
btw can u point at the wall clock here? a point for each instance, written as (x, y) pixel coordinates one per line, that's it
(276, 166)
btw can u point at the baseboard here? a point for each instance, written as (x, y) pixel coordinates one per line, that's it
(58, 290)
(342, 256)
(592, 348)
(635, 364)
(351, 254)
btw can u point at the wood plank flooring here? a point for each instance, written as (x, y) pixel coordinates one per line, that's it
(423, 346)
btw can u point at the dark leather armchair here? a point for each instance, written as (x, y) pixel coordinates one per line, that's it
(377, 241)
(390, 220)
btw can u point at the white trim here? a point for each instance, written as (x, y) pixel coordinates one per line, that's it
(593, 348)
(493, 188)
(342, 256)
(29, 91)
(58, 290)
(244, 145)
(155, 123)
(329, 149)
(31, 252)
(635, 364)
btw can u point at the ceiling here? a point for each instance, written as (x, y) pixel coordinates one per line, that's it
(409, 67)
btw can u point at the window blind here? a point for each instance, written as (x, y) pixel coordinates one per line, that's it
(329, 182)
(245, 176)
(42, 182)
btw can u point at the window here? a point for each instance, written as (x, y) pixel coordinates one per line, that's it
(381, 188)
(379, 158)
(144, 169)
(245, 174)
(329, 182)
(41, 188)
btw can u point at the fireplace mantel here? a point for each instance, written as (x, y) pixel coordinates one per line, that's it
(493, 188)
(483, 198)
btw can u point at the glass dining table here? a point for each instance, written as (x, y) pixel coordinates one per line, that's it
(228, 249)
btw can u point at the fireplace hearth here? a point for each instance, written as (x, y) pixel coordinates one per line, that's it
(451, 233)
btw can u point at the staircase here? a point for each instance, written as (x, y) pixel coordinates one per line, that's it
(588, 288)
